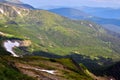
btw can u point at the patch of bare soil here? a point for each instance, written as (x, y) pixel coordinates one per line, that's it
(34, 71)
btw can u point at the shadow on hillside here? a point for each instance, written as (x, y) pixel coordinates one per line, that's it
(114, 71)
(94, 65)
(46, 54)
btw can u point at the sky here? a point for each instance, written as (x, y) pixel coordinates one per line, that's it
(73, 3)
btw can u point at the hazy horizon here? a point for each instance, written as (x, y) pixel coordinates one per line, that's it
(69, 3)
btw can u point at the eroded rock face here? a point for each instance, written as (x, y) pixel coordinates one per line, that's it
(2, 34)
(25, 43)
(9, 10)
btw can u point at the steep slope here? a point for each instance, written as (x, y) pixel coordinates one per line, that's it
(49, 32)
(41, 68)
(38, 68)
(52, 70)
(55, 34)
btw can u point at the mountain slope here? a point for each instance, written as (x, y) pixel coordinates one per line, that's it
(36, 67)
(25, 69)
(39, 68)
(81, 15)
(52, 33)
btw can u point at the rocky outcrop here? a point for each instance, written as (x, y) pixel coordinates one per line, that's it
(2, 34)
(25, 43)
(17, 3)
(8, 10)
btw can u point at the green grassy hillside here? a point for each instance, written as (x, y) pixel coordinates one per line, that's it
(63, 71)
(72, 42)
(28, 67)
(55, 34)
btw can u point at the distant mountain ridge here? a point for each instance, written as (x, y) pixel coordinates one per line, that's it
(71, 13)
(82, 14)
(109, 13)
